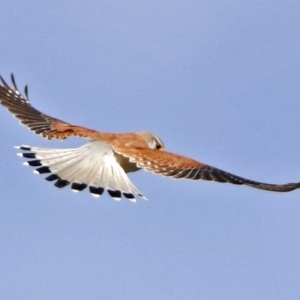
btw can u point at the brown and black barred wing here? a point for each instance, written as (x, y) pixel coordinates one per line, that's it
(49, 127)
(180, 167)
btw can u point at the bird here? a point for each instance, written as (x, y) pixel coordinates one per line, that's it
(104, 162)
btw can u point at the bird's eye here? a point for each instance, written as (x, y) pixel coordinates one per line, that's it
(158, 146)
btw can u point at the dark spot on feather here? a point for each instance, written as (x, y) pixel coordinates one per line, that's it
(128, 196)
(29, 155)
(96, 190)
(51, 177)
(115, 194)
(43, 170)
(60, 183)
(78, 186)
(34, 163)
(25, 148)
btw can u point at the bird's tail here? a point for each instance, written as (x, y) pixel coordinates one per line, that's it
(92, 165)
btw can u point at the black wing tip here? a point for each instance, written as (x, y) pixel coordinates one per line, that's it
(13, 81)
(272, 187)
(4, 82)
(15, 87)
(26, 92)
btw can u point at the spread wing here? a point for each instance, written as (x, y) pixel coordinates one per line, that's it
(180, 167)
(40, 123)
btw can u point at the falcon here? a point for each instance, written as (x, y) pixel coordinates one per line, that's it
(103, 163)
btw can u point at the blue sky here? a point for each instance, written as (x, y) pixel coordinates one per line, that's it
(217, 81)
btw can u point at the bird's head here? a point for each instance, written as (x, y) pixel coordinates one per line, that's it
(153, 141)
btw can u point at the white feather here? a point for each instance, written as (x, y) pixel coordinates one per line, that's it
(93, 164)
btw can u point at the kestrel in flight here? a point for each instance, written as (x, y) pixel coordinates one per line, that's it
(103, 163)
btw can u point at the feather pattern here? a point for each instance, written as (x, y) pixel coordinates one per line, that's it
(181, 167)
(102, 164)
(93, 165)
(40, 123)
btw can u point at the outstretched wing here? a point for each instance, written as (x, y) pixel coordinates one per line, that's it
(180, 167)
(40, 123)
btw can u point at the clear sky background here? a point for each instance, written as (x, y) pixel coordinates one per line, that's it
(217, 81)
